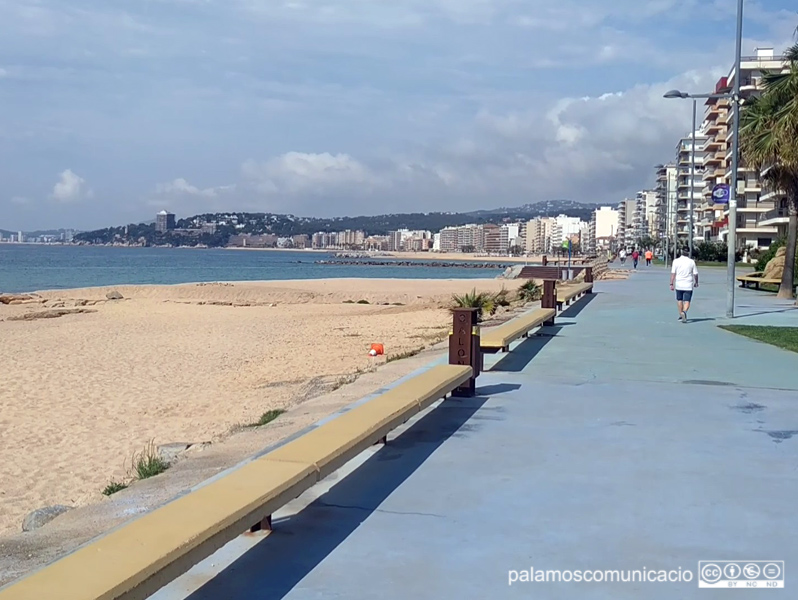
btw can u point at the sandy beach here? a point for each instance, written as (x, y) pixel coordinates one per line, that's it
(187, 363)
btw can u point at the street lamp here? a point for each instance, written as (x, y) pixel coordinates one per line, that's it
(731, 237)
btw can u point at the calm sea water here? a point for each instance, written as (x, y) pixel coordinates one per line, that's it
(37, 267)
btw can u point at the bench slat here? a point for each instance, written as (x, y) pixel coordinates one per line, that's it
(501, 336)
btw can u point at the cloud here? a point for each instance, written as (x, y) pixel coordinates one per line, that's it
(181, 186)
(70, 187)
(363, 105)
(297, 172)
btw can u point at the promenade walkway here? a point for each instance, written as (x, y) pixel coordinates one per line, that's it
(626, 441)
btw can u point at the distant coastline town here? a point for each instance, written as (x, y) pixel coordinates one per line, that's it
(633, 222)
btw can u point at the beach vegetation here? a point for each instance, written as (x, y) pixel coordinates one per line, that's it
(363, 301)
(484, 302)
(148, 463)
(268, 417)
(530, 291)
(113, 487)
(401, 355)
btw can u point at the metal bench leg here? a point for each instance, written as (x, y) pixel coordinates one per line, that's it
(264, 525)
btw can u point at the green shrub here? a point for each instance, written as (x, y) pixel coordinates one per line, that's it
(148, 463)
(530, 291)
(268, 417)
(484, 302)
(113, 487)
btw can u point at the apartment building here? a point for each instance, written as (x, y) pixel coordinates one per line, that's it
(603, 229)
(648, 217)
(626, 214)
(760, 213)
(538, 235)
(709, 215)
(563, 228)
(689, 184)
(666, 201)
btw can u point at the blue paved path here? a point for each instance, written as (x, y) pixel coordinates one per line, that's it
(625, 441)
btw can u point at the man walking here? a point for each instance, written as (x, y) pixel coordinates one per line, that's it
(684, 277)
(649, 257)
(635, 258)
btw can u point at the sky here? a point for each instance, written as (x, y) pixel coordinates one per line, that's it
(112, 110)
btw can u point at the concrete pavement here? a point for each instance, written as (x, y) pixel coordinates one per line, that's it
(620, 439)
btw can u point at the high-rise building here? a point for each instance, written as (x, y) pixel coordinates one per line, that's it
(710, 216)
(538, 235)
(625, 237)
(164, 221)
(603, 229)
(761, 214)
(666, 202)
(689, 184)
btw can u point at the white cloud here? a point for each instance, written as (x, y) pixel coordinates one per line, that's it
(70, 187)
(181, 186)
(297, 172)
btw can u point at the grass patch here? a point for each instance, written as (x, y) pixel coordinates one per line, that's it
(267, 417)
(148, 463)
(402, 355)
(782, 337)
(113, 487)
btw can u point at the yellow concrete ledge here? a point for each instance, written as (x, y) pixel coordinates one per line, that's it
(498, 338)
(134, 561)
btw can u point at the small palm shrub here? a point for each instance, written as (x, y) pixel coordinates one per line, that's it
(530, 291)
(484, 302)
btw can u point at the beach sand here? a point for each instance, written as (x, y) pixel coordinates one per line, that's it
(188, 363)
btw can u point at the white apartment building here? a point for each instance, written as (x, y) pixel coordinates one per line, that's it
(666, 200)
(758, 211)
(648, 206)
(563, 228)
(689, 184)
(626, 214)
(603, 229)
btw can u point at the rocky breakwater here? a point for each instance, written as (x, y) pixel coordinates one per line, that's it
(412, 263)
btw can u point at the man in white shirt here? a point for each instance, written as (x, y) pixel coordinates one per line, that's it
(684, 277)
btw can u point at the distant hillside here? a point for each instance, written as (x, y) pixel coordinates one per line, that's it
(289, 225)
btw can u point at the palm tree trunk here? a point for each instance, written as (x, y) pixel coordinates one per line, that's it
(788, 275)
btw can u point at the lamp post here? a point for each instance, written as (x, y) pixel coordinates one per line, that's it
(731, 237)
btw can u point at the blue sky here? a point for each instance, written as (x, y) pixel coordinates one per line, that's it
(110, 110)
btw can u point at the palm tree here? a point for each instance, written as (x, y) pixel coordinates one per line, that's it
(769, 142)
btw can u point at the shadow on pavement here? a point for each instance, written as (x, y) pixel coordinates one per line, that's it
(689, 320)
(517, 360)
(299, 543)
(766, 312)
(577, 308)
(499, 388)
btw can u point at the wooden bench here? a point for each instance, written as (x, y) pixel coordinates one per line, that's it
(133, 561)
(499, 338)
(756, 280)
(568, 292)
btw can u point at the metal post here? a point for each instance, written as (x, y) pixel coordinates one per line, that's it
(731, 237)
(691, 233)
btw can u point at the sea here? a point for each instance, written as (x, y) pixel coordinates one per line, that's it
(32, 267)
